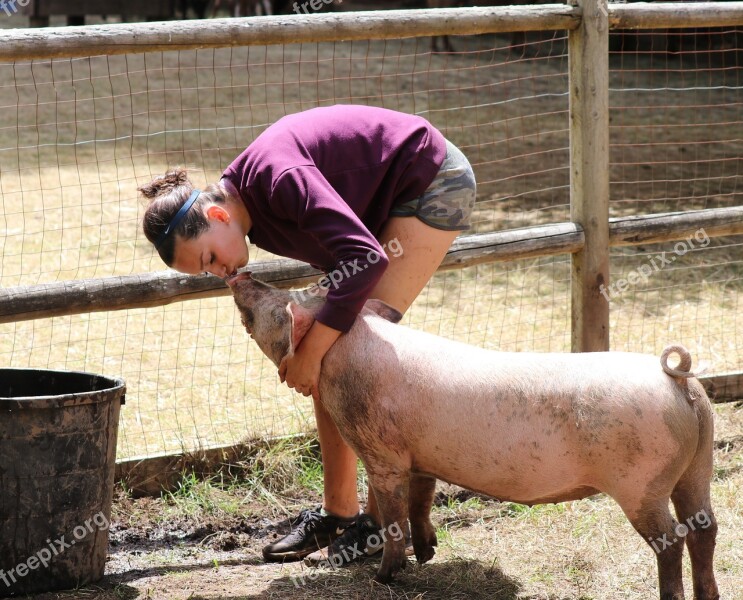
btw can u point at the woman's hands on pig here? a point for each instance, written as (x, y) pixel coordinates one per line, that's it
(301, 371)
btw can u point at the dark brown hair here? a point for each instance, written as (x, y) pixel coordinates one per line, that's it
(167, 193)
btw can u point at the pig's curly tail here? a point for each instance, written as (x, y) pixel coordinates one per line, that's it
(683, 369)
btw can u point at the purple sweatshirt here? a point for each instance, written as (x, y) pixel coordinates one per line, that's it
(319, 186)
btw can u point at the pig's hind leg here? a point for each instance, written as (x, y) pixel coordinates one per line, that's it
(691, 498)
(422, 488)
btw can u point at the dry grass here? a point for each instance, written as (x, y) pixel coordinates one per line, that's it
(204, 541)
(86, 132)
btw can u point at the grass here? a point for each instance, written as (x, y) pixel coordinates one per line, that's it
(203, 541)
(194, 495)
(79, 136)
(270, 474)
(487, 549)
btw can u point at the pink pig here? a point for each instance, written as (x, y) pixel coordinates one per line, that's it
(525, 427)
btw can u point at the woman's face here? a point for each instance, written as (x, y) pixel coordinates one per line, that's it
(220, 250)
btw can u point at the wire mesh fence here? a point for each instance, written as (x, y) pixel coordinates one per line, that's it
(81, 134)
(78, 135)
(677, 145)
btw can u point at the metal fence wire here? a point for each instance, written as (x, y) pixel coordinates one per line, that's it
(78, 135)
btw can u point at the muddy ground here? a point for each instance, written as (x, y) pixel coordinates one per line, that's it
(204, 542)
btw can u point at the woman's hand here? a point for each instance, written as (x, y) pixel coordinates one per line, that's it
(301, 371)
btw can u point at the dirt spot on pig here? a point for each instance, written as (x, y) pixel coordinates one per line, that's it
(591, 418)
(247, 318)
(354, 396)
(352, 387)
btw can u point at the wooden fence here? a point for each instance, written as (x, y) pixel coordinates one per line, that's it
(586, 238)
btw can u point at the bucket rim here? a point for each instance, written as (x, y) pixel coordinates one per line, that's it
(115, 389)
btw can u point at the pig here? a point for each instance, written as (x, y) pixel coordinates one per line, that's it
(524, 427)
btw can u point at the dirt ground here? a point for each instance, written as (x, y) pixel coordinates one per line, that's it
(210, 547)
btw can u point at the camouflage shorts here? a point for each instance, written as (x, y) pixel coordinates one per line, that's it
(449, 200)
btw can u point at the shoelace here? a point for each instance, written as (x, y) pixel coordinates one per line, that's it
(306, 518)
(369, 529)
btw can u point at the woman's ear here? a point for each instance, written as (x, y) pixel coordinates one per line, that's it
(214, 212)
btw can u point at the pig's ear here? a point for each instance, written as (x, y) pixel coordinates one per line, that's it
(384, 310)
(302, 320)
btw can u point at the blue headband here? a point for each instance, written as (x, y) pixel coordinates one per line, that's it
(177, 218)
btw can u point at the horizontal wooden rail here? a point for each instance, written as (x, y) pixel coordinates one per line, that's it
(514, 244)
(23, 303)
(724, 387)
(129, 38)
(668, 227)
(155, 289)
(661, 15)
(152, 474)
(134, 291)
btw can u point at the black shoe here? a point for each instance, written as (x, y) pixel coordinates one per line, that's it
(362, 540)
(310, 531)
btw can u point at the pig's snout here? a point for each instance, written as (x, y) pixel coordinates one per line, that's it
(232, 280)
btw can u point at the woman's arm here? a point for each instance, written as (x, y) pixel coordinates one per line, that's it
(303, 196)
(301, 371)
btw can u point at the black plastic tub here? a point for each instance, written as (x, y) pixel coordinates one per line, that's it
(58, 434)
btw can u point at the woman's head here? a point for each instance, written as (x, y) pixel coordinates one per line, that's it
(208, 235)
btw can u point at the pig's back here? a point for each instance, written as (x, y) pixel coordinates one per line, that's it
(436, 361)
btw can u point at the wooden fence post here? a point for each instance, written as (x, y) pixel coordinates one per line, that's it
(588, 58)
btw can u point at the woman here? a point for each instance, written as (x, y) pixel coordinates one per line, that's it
(332, 187)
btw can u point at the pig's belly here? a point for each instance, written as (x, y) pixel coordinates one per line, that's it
(526, 478)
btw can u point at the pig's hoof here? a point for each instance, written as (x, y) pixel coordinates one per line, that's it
(423, 536)
(384, 579)
(387, 570)
(424, 554)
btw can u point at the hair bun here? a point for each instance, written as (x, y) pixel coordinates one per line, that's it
(164, 184)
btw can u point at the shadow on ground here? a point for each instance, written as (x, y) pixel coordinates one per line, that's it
(456, 579)
(450, 580)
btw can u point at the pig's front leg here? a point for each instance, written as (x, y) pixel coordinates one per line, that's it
(391, 491)
(422, 490)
